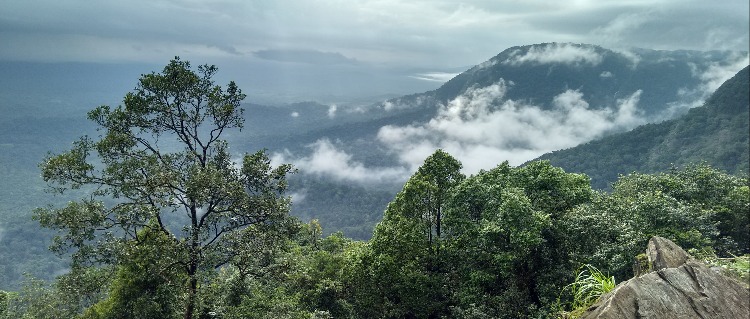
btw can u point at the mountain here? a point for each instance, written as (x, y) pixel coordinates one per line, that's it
(537, 73)
(717, 132)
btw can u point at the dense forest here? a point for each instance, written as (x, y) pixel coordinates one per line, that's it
(170, 225)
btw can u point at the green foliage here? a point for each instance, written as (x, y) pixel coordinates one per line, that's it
(512, 239)
(504, 243)
(714, 203)
(4, 300)
(147, 282)
(697, 207)
(509, 259)
(589, 285)
(163, 186)
(38, 300)
(300, 277)
(407, 245)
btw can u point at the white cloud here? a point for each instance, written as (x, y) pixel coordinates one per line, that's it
(557, 53)
(717, 73)
(624, 24)
(398, 103)
(484, 65)
(434, 76)
(711, 77)
(326, 160)
(468, 15)
(606, 75)
(332, 111)
(390, 105)
(630, 55)
(722, 38)
(294, 114)
(298, 196)
(482, 128)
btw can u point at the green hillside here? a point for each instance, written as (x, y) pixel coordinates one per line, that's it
(716, 133)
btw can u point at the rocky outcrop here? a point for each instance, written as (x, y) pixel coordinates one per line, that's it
(677, 286)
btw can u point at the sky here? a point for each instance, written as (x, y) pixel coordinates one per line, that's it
(333, 48)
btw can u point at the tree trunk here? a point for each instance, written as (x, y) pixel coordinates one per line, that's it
(192, 264)
(192, 289)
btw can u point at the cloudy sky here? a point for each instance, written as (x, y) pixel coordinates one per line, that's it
(400, 46)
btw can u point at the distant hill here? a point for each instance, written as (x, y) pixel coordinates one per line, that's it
(717, 133)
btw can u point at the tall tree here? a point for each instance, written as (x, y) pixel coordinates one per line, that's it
(437, 176)
(406, 244)
(506, 256)
(162, 165)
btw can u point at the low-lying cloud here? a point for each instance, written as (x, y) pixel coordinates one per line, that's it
(481, 128)
(399, 103)
(434, 76)
(298, 196)
(711, 77)
(717, 73)
(332, 111)
(556, 53)
(327, 160)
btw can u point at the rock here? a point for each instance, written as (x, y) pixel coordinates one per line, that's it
(677, 287)
(663, 253)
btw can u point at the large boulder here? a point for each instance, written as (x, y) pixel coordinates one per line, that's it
(678, 286)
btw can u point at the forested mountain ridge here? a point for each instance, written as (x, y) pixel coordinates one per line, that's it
(716, 133)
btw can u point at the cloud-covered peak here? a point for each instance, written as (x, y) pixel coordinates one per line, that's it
(565, 53)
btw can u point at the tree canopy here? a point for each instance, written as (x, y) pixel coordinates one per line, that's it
(161, 175)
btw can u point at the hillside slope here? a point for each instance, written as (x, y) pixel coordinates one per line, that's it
(717, 133)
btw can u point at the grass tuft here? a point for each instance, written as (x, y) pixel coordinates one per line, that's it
(589, 285)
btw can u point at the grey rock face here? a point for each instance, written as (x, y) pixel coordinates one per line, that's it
(663, 253)
(678, 287)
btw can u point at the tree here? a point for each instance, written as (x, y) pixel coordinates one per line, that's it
(162, 165)
(698, 207)
(406, 244)
(507, 256)
(423, 198)
(143, 283)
